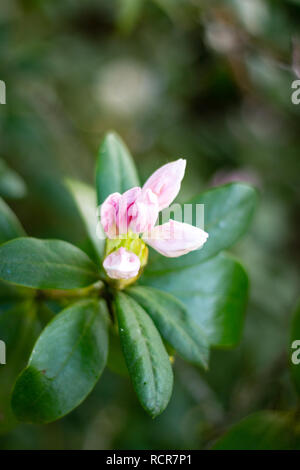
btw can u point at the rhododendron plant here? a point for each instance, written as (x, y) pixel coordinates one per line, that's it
(151, 304)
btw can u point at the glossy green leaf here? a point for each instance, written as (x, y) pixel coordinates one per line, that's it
(10, 227)
(214, 293)
(115, 170)
(46, 264)
(295, 349)
(174, 323)
(65, 364)
(264, 430)
(147, 360)
(19, 328)
(228, 211)
(86, 201)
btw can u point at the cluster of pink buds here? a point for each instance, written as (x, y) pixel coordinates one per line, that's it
(129, 221)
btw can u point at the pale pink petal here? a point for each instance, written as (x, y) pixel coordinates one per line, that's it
(175, 239)
(114, 212)
(122, 264)
(166, 182)
(144, 212)
(109, 213)
(126, 201)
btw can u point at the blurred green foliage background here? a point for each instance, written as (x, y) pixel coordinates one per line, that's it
(206, 80)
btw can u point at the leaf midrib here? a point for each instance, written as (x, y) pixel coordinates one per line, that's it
(179, 328)
(146, 341)
(68, 266)
(51, 379)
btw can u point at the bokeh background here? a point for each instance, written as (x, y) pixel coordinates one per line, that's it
(206, 80)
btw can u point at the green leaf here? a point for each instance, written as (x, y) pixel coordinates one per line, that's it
(228, 211)
(295, 349)
(115, 170)
(65, 364)
(214, 293)
(46, 264)
(174, 323)
(10, 227)
(145, 355)
(264, 430)
(11, 184)
(19, 328)
(86, 201)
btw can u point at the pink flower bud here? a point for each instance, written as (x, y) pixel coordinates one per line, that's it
(135, 210)
(126, 202)
(109, 213)
(175, 239)
(114, 212)
(122, 264)
(144, 212)
(166, 182)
